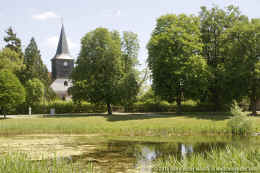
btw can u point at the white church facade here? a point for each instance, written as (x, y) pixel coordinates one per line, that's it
(62, 65)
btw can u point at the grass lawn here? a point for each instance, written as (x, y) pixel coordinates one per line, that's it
(148, 124)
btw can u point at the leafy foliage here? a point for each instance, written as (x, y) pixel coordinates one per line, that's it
(98, 71)
(213, 24)
(12, 92)
(34, 92)
(129, 85)
(34, 65)
(174, 58)
(9, 60)
(13, 42)
(242, 64)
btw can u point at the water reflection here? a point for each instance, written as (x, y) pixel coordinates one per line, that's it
(124, 156)
(144, 163)
(119, 155)
(186, 149)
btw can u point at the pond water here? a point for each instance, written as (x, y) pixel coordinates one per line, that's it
(117, 154)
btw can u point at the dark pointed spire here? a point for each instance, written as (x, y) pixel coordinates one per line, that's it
(63, 44)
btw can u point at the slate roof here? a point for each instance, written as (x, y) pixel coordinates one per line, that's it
(62, 51)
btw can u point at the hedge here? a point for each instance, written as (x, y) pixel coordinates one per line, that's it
(62, 107)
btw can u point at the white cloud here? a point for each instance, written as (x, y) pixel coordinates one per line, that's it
(118, 13)
(112, 13)
(45, 15)
(52, 42)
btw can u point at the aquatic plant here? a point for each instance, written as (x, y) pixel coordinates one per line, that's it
(216, 160)
(18, 162)
(240, 123)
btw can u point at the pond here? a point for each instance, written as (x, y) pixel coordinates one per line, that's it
(118, 154)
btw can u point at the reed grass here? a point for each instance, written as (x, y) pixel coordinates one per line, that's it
(18, 162)
(216, 160)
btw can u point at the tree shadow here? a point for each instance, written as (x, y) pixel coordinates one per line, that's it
(2, 118)
(73, 115)
(215, 116)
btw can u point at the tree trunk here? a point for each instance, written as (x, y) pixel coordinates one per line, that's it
(253, 102)
(216, 101)
(2, 112)
(178, 100)
(109, 109)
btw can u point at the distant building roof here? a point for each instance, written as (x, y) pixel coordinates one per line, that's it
(62, 51)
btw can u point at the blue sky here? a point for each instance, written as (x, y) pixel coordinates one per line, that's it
(41, 19)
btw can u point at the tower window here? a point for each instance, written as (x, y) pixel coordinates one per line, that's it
(65, 83)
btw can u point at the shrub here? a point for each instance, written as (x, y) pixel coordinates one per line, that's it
(240, 124)
(61, 107)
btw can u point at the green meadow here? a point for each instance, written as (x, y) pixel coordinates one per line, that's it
(148, 124)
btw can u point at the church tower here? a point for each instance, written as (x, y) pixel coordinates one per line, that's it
(62, 62)
(62, 66)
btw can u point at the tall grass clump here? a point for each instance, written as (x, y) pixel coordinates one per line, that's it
(228, 160)
(240, 124)
(17, 162)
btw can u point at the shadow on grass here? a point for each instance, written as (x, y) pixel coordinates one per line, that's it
(215, 116)
(198, 115)
(2, 118)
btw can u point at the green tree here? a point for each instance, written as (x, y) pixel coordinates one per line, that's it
(10, 60)
(242, 63)
(174, 59)
(34, 65)
(214, 23)
(129, 89)
(34, 92)
(129, 83)
(98, 70)
(130, 49)
(13, 42)
(12, 92)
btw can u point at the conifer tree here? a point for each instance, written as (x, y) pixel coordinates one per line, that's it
(13, 42)
(34, 65)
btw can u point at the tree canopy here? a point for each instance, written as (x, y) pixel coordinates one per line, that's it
(242, 61)
(106, 69)
(98, 71)
(13, 42)
(12, 92)
(34, 65)
(34, 92)
(174, 58)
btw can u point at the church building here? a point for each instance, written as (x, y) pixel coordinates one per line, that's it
(62, 65)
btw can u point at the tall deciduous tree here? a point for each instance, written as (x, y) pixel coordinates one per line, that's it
(10, 60)
(174, 58)
(130, 49)
(129, 83)
(243, 61)
(34, 92)
(214, 23)
(12, 92)
(99, 69)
